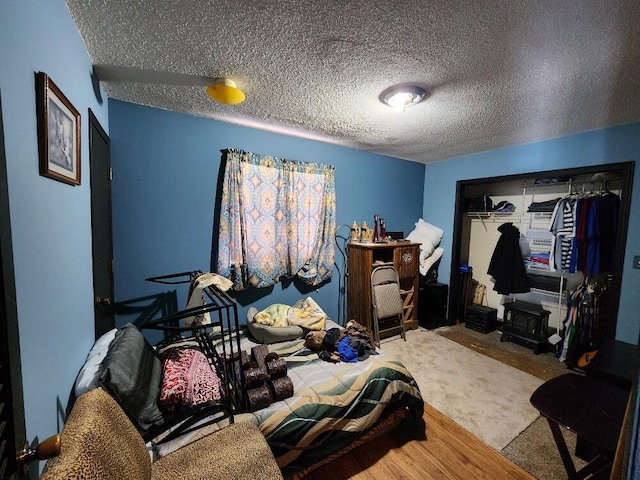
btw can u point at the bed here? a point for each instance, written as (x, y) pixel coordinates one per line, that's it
(334, 407)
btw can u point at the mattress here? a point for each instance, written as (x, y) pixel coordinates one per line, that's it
(333, 405)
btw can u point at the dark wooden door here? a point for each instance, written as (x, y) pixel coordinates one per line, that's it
(100, 164)
(7, 435)
(12, 425)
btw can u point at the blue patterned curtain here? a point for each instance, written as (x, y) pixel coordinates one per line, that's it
(277, 219)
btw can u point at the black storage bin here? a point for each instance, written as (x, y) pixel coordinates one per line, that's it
(482, 319)
(432, 304)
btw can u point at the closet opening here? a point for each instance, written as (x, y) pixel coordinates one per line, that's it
(528, 202)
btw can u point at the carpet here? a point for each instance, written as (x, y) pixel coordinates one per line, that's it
(481, 394)
(535, 451)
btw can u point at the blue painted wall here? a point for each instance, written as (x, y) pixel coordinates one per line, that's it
(166, 166)
(612, 145)
(50, 221)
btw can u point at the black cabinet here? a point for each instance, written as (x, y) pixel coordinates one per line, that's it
(432, 304)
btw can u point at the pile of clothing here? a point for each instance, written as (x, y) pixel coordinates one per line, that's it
(352, 344)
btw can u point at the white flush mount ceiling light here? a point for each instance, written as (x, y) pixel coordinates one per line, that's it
(403, 96)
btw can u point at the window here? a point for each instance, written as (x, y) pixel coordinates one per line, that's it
(277, 219)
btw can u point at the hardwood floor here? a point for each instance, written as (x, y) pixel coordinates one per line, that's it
(449, 452)
(544, 366)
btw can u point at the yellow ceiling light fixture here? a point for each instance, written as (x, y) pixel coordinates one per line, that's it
(225, 91)
(403, 96)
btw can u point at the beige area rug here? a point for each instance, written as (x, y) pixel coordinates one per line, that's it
(481, 394)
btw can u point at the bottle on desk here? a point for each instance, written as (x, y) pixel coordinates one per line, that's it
(376, 235)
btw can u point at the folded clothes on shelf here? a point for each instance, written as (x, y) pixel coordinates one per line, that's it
(539, 258)
(481, 203)
(504, 207)
(546, 206)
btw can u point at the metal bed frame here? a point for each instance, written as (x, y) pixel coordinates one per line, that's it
(219, 340)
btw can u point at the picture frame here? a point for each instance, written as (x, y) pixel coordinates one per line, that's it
(58, 132)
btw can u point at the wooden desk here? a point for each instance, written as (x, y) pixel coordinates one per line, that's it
(591, 408)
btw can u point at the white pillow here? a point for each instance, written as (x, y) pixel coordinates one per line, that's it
(90, 372)
(427, 235)
(436, 230)
(430, 260)
(430, 232)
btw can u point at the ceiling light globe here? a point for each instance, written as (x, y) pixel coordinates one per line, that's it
(403, 96)
(226, 92)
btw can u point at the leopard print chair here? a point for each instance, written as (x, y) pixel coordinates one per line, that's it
(99, 441)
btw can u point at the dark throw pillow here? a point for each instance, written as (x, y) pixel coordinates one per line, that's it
(132, 372)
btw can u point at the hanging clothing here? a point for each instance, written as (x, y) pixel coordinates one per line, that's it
(577, 212)
(584, 232)
(586, 319)
(562, 228)
(591, 262)
(506, 265)
(596, 230)
(609, 211)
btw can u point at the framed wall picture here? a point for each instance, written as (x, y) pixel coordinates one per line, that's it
(58, 132)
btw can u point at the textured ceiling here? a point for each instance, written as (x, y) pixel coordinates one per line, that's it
(499, 73)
